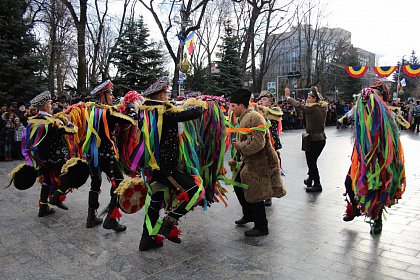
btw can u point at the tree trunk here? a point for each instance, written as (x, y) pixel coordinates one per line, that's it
(53, 44)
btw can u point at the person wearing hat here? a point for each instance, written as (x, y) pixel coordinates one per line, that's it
(416, 116)
(273, 113)
(315, 110)
(366, 196)
(167, 175)
(259, 165)
(45, 148)
(102, 121)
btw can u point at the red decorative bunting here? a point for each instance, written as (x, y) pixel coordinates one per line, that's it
(356, 71)
(411, 70)
(384, 71)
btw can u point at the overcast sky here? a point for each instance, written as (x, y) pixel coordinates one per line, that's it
(388, 28)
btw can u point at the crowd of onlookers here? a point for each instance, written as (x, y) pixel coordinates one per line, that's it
(14, 117)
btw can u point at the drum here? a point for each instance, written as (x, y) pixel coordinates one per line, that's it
(131, 195)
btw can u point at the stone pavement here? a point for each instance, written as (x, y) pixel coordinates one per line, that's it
(307, 240)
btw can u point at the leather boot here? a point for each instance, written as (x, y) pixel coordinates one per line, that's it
(92, 220)
(57, 201)
(377, 225)
(315, 188)
(244, 220)
(113, 224)
(257, 230)
(350, 213)
(169, 230)
(45, 210)
(148, 242)
(308, 182)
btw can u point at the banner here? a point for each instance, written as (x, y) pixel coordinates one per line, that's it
(384, 71)
(411, 70)
(356, 71)
(189, 43)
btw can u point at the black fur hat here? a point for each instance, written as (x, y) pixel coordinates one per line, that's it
(23, 176)
(240, 96)
(74, 173)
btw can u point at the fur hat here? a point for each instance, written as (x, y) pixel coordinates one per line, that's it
(240, 96)
(160, 85)
(101, 89)
(23, 176)
(41, 98)
(74, 173)
(381, 86)
(267, 94)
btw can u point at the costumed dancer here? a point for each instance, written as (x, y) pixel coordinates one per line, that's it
(99, 147)
(273, 113)
(259, 176)
(315, 110)
(164, 175)
(377, 175)
(45, 148)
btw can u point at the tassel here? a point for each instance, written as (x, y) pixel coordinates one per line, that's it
(183, 197)
(158, 239)
(62, 197)
(349, 210)
(174, 233)
(116, 214)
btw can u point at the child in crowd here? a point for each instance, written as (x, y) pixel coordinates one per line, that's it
(19, 128)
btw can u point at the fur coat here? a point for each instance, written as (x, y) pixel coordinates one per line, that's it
(260, 168)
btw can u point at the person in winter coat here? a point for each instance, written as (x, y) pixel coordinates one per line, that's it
(315, 110)
(259, 167)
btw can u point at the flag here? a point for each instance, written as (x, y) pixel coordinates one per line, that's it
(189, 43)
(403, 83)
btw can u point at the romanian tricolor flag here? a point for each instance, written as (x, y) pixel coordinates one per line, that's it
(384, 71)
(356, 71)
(189, 43)
(411, 70)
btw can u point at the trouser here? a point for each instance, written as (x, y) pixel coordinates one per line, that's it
(50, 182)
(157, 199)
(416, 123)
(312, 158)
(112, 169)
(251, 211)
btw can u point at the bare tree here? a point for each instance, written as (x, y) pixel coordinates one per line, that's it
(187, 10)
(80, 23)
(320, 43)
(209, 36)
(278, 18)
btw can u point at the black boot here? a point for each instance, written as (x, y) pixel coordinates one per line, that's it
(169, 230)
(244, 220)
(55, 200)
(45, 210)
(258, 230)
(315, 188)
(148, 242)
(92, 220)
(377, 225)
(113, 224)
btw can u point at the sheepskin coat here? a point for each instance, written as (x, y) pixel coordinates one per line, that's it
(260, 168)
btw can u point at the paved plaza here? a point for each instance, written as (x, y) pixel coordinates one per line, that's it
(307, 240)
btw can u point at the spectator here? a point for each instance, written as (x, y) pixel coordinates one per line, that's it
(19, 128)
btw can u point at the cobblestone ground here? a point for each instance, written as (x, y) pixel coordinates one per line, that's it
(307, 240)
